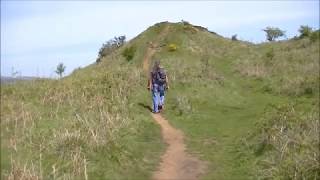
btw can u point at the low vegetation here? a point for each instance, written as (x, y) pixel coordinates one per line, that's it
(289, 68)
(129, 52)
(305, 31)
(286, 143)
(251, 111)
(81, 126)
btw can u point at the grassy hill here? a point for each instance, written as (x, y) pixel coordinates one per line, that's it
(251, 111)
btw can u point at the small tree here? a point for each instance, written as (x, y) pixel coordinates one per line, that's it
(234, 37)
(273, 33)
(305, 31)
(119, 41)
(110, 46)
(60, 69)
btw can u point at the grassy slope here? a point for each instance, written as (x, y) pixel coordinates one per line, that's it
(89, 121)
(217, 107)
(219, 90)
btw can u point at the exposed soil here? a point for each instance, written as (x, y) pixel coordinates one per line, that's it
(176, 163)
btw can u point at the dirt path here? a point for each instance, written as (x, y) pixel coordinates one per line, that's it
(152, 48)
(176, 163)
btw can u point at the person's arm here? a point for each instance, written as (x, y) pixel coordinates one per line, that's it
(167, 82)
(149, 83)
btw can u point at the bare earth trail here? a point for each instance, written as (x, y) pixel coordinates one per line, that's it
(176, 163)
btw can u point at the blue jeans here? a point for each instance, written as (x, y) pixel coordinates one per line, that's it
(161, 90)
(155, 97)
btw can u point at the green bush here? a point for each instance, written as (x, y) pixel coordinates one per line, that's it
(129, 52)
(110, 46)
(270, 54)
(305, 31)
(315, 36)
(234, 37)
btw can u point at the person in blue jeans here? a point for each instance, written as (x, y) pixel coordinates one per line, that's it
(158, 83)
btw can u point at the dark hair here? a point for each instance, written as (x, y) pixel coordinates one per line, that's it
(156, 65)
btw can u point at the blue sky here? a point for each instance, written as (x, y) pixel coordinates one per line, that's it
(37, 35)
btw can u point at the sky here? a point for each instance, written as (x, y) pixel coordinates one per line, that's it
(37, 35)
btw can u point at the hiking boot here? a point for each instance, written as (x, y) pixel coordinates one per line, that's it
(160, 107)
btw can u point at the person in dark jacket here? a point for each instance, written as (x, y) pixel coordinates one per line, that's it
(158, 83)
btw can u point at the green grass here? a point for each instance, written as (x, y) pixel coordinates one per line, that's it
(219, 116)
(85, 124)
(219, 107)
(96, 122)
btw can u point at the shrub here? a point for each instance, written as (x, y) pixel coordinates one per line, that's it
(315, 36)
(172, 47)
(185, 22)
(129, 52)
(234, 37)
(270, 54)
(189, 28)
(109, 47)
(305, 31)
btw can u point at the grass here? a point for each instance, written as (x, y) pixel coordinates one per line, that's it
(216, 105)
(84, 125)
(287, 142)
(95, 123)
(219, 116)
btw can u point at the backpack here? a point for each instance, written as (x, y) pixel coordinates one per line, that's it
(159, 77)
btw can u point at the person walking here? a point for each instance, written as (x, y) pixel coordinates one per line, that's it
(158, 84)
(163, 88)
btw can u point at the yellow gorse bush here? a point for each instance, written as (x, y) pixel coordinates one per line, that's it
(172, 47)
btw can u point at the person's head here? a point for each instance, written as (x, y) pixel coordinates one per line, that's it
(156, 65)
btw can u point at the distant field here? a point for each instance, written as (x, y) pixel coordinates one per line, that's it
(8, 80)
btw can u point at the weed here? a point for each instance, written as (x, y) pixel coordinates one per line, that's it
(129, 52)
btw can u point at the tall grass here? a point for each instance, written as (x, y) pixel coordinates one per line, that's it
(56, 128)
(288, 68)
(286, 144)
